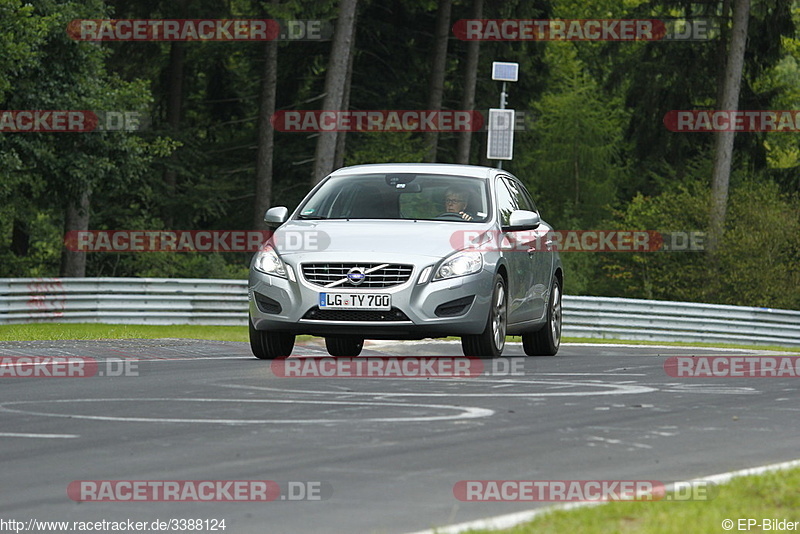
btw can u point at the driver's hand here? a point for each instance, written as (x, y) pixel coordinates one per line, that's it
(466, 216)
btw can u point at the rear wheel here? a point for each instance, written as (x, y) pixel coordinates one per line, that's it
(268, 345)
(490, 342)
(546, 341)
(344, 345)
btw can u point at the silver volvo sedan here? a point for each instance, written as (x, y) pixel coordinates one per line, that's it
(408, 251)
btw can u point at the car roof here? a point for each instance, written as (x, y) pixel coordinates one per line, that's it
(420, 168)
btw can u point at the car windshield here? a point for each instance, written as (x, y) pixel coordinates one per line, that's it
(400, 196)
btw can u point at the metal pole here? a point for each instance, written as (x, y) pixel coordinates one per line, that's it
(502, 106)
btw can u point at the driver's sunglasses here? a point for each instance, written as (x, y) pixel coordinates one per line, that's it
(454, 201)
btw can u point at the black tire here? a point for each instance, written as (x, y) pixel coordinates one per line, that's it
(490, 342)
(268, 345)
(344, 345)
(545, 342)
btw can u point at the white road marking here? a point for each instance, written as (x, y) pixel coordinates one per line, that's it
(708, 389)
(620, 442)
(604, 373)
(42, 436)
(612, 389)
(468, 412)
(674, 347)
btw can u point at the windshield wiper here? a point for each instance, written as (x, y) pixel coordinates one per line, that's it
(315, 217)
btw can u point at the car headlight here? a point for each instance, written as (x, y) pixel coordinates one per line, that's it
(268, 261)
(460, 264)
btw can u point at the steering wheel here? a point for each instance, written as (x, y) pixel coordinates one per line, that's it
(450, 214)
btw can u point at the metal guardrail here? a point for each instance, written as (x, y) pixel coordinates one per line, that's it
(123, 301)
(659, 320)
(224, 302)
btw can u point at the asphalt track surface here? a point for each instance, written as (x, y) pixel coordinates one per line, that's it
(385, 453)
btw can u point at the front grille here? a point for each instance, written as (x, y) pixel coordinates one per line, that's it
(315, 314)
(377, 275)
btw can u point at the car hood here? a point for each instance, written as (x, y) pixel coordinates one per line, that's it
(419, 238)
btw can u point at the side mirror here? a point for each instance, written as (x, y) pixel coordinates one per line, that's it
(276, 216)
(522, 220)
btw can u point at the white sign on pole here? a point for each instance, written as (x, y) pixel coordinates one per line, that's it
(500, 144)
(504, 71)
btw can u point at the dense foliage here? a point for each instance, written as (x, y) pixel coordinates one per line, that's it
(596, 154)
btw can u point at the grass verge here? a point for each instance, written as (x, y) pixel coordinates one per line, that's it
(58, 331)
(773, 495)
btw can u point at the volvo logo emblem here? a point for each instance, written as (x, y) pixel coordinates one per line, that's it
(356, 275)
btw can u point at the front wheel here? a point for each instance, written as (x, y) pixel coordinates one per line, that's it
(268, 345)
(490, 343)
(546, 341)
(344, 345)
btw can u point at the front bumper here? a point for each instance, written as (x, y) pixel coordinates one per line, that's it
(456, 306)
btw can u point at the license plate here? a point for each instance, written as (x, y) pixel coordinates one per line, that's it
(355, 301)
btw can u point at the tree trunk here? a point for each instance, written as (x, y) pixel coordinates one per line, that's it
(177, 59)
(73, 263)
(266, 133)
(723, 141)
(175, 99)
(436, 85)
(20, 238)
(483, 161)
(470, 82)
(334, 86)
(174, 105)
(341, 138)
(722, 50)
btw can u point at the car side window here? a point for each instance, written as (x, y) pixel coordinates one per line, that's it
(506, 201)
(528, 198)
(522, 198)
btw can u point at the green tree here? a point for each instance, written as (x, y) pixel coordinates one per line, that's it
(757, 262)
(574, 162)
(58, 172)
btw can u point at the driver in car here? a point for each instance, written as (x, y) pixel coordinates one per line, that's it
(455, 201)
